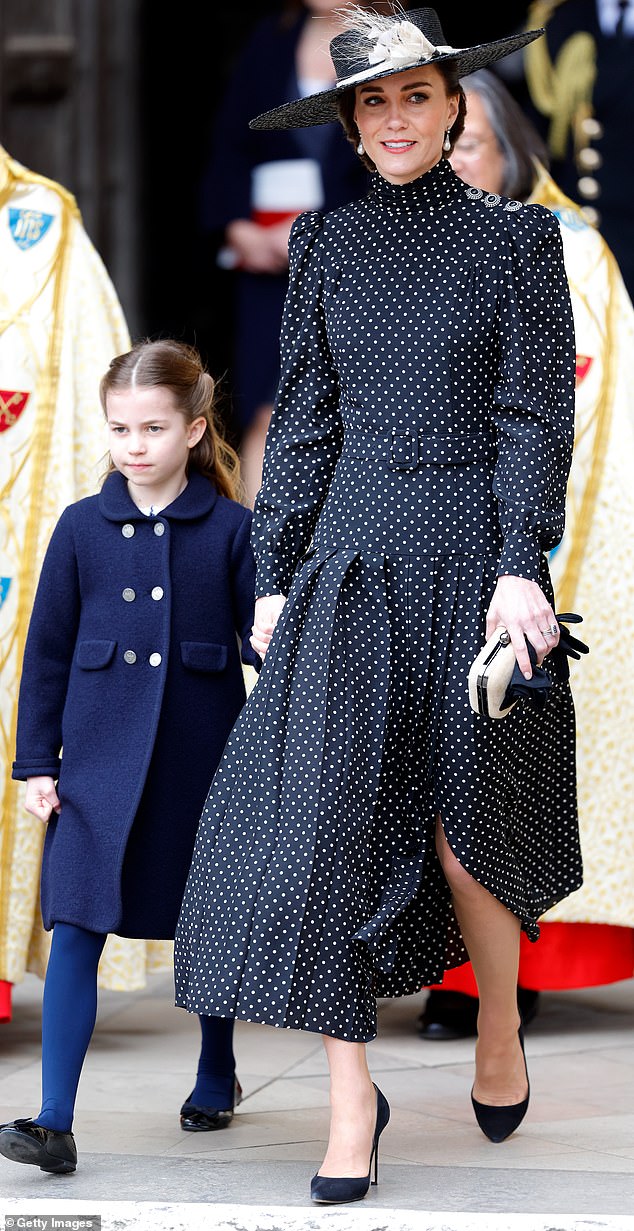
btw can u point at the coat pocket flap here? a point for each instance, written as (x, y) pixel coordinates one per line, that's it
(93, 655)
(203, 655)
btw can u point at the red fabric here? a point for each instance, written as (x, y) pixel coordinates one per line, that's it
(5, 1001)
(270, 217)
(566, 956)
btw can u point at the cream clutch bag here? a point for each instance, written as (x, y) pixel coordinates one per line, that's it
(490, 675)
(493, 671)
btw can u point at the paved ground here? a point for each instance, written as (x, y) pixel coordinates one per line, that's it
(571, 1165)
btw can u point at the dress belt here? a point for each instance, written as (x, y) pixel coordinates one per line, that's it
(406, 448)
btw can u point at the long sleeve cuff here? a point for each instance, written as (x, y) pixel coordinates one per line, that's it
(520, 556)
(38, 767)
(272, 577)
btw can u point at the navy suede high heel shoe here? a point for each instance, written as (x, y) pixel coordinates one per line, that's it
(335, 1191)
(497, 1123)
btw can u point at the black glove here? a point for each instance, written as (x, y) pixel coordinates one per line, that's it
(535, 691)
(573, 647)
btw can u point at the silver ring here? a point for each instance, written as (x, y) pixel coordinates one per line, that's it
(551, 631)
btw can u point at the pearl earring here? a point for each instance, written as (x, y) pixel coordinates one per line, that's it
(360, 149)
(446, 145)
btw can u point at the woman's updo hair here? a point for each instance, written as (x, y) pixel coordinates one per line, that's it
(178, 367)
(346, 108)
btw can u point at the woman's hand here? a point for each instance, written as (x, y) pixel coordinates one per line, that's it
(41, 798)
(521, 607)
(267, 613)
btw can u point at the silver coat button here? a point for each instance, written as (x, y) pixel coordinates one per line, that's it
(127, 530)
(159, 528)
(157, 593)
(130, 656)
(128, 594)
(155, 660)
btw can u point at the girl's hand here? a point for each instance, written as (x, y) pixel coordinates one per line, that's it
(41, 798)
(267, 613)
(521, 607)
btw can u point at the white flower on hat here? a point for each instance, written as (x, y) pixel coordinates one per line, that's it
(403, 43)
(395, 45)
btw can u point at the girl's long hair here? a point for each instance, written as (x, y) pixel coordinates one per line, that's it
(178, 367)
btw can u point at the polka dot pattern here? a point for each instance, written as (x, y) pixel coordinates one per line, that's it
(425, 310)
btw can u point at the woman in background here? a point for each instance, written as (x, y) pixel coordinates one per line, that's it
(258, 182)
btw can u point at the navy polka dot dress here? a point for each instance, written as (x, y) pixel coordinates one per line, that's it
(420, 445)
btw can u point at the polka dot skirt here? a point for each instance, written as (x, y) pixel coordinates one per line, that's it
(420, 445)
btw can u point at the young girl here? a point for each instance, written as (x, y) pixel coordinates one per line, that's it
(132, 666)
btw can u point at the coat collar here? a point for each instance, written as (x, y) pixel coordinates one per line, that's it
(116, 503)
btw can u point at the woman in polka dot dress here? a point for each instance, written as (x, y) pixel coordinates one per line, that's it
(365, 828)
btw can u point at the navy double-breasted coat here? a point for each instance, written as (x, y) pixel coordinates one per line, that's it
(131, 682)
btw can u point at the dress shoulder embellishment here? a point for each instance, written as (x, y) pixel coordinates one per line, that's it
(492, 198)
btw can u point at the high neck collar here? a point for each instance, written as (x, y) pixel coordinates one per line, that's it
(431, 191)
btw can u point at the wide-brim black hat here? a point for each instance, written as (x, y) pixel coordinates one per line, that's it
(376, 46)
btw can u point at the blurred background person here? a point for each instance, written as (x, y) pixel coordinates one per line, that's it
(255, 185)
(589, 939)
(62, 322)
(580, 82)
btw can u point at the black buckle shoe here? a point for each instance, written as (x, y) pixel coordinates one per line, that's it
(196, 1119)
(25, 1142)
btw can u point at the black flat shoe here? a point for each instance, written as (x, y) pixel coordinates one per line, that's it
(25, 1142)
(448, 1015)
(454, 1015)
(196, 1119)
(327, 1190)
(497, 1123)
(528, 1004)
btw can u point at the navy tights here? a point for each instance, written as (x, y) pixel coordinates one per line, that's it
(69, 1010)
